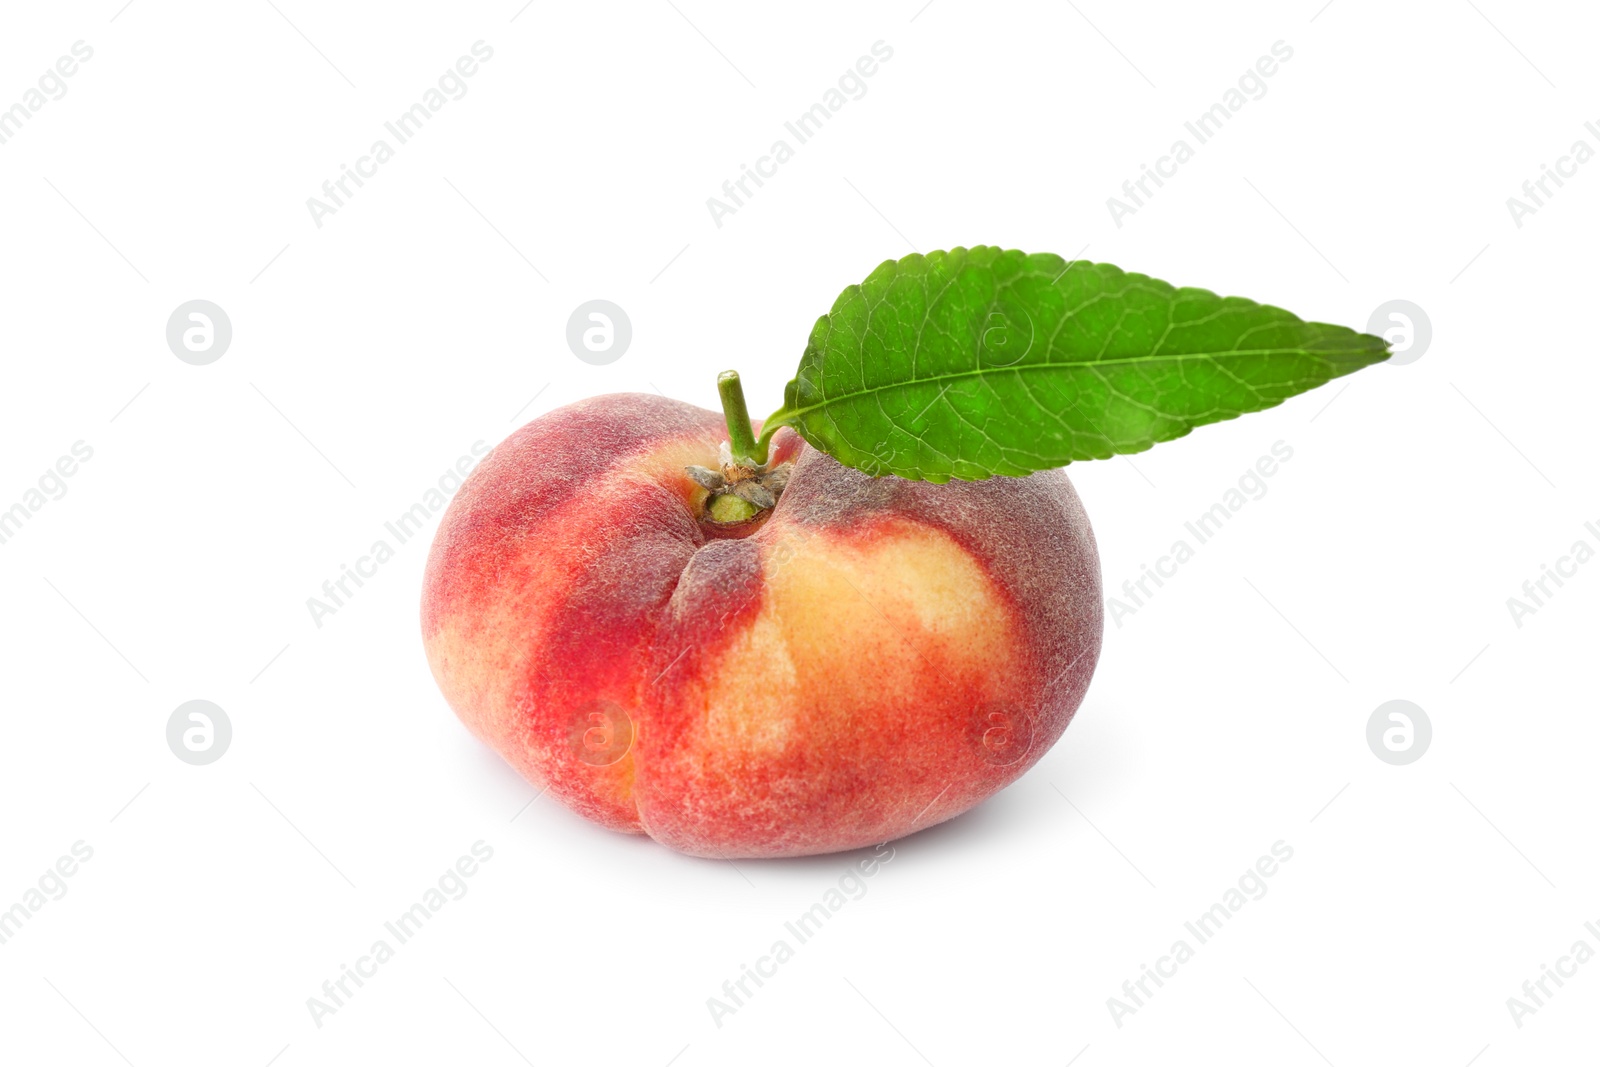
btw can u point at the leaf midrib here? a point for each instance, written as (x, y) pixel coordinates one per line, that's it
(790, 416)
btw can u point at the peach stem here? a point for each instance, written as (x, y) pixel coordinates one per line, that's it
(741, 438)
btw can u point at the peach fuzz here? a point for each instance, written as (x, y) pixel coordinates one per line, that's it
(868, 658)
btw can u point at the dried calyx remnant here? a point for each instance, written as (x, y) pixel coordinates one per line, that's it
(741, 490)
(744, 487)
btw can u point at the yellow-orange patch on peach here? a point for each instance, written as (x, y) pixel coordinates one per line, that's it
(477, 659)
(665, 466)
(851, 625)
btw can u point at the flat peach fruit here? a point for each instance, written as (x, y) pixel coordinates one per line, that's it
(780, 660)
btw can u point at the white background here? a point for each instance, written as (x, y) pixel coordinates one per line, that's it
(1228, 713)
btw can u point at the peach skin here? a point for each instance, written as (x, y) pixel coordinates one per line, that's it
(861, 658)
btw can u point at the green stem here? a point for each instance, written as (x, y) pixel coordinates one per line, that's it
(741, 439)
(774, 422)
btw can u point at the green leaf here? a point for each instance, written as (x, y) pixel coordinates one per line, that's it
(975, 362)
